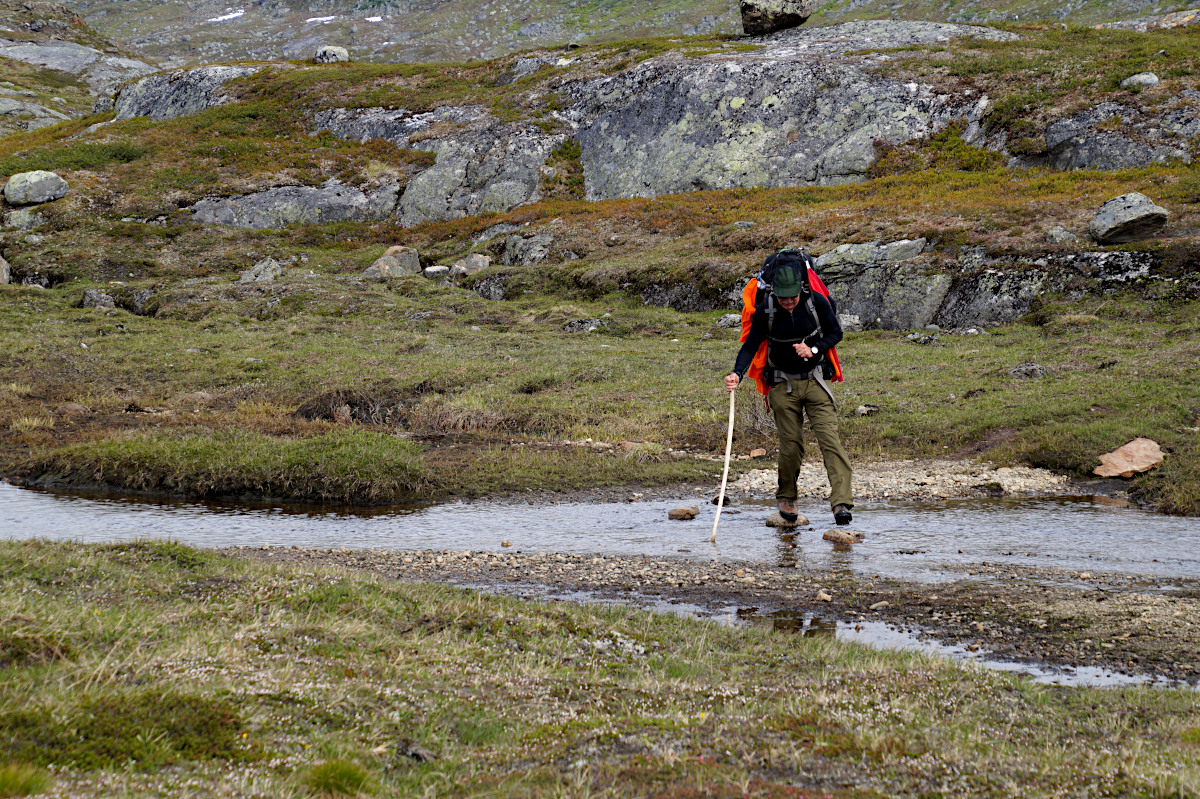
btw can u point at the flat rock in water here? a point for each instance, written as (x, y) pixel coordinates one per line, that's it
(777, 520)
(843, 536)
(683, 514)
(1139, 455)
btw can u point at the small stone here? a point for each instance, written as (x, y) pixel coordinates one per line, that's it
(683, 514)
(730, 320)
(1060, 235)
(434, 272)
(1140, 80)
(866, 410)
(72, 409)
(880, 605)
(757, 453)
(843, 536)
(1028, 370)
(824, 596)
(506, 543)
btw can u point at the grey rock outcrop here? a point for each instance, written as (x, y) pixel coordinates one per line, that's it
(178, 94)
(482, 164)
(23, 115)
(1129, 217)
(993, 297)
(890, 297)
(862, 254)
(289, 205)
(94, 298)
(1105, 137)
(395, 262)
(1060, 235)
(102, 72)
(34, 188)
(265, 271)
(491, 288)
(5, 272)
(473, 264)
(798, 112)
(760, 17)
(24, 219)
(330, 54)
(521, 251)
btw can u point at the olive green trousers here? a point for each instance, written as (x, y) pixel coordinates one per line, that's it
(808, 397)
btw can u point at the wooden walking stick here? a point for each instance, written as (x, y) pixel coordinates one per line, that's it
(725, 474)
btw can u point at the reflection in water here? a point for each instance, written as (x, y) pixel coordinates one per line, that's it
(910, 540)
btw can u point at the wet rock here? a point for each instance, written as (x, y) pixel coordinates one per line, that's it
(522, 251)
(1141, 80)
(177, 94)
(1129, 217)
(879, 605)
(722, 501)
(1028, 371)
(1139, 455)
(330, 54)
(265, 271)
(824, 596)
(683, 514)
(776, 520)
(584, 325)
(760, 17)
(491, 288)
(473, 264)
(289, 205)
(94, 298)
(837, 536)
(34, 188)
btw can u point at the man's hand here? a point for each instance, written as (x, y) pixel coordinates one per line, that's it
(803, 350)
(732, 381)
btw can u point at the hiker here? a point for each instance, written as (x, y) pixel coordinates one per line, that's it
(797, 352)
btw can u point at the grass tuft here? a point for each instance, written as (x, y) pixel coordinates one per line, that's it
(339, 778)
(22, 779)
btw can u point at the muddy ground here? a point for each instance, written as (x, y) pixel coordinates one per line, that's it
(1130, 625)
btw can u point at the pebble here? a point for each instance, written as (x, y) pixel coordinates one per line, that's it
(683, 514)
(824, 596)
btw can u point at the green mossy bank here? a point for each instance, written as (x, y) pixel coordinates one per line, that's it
(156, 669)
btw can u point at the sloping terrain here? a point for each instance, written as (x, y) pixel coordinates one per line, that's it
(151, 343)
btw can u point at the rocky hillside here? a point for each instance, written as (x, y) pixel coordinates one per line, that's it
(180, 34)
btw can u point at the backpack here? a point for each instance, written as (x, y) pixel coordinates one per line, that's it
(758, 292)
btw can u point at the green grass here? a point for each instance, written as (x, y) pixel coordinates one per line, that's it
(22, 779)
(83, 155)
(401, 689)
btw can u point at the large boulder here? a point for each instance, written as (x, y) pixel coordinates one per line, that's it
(34, 188)
(760, 17)
(289, 205)
(802, 110)
(178, 94)
(1129, 217)
(330, 54)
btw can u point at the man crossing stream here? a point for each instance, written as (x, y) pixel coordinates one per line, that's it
(799, 327)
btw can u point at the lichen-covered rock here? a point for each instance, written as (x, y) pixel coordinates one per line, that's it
(522, 251)
(482, 164)
(685, 298)
(331, 54)
(289, 205)
(863, 254)
(34, 188)
(889, 297)
(800, 111)
(94, 298)
(24, 219)
(5, 272)
(1129, 217)
(491, 288)
(265, 271)
(1141, 80)
(761, 17)
(178, 94)
(1107, 136)
(993, 297)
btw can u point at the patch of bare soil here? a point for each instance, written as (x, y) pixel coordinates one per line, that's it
(1029, 615)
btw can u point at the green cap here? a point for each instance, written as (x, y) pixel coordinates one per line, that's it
(788, 282)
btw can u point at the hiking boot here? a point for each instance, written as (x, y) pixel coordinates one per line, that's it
(842, 515)
(787, 510)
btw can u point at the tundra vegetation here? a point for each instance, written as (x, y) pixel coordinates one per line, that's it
(325, 386)
(154, 669)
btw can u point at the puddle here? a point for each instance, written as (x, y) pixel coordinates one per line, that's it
(919, 541)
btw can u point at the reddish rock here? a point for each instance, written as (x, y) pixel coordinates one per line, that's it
(1139, 455)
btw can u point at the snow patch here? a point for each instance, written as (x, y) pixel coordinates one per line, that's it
(230, 13)
(322, 20)
(373, 19)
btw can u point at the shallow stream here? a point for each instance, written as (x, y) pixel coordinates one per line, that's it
(919, 541)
